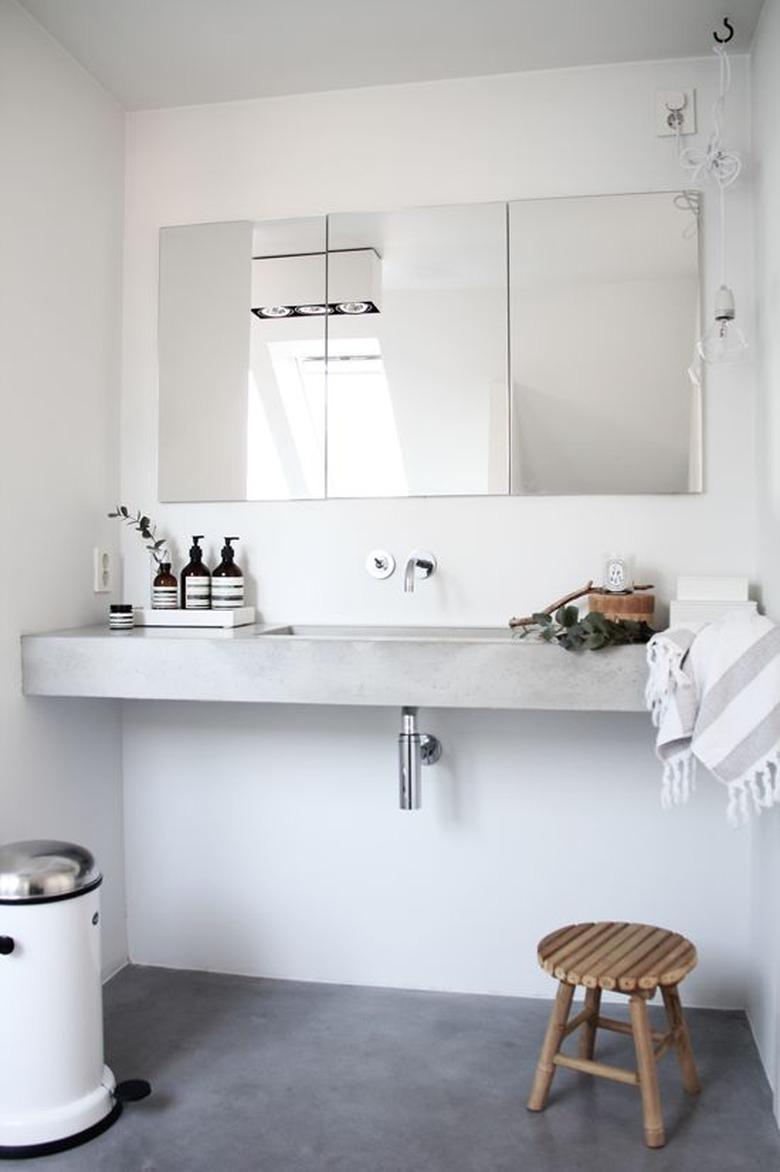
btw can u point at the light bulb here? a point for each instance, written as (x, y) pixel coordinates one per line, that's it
(724, 341)
(353, 306)
(273, 311)
(312, 310)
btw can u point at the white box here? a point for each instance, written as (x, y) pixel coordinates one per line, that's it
(712, 589)
(240, 617)
(682, 611)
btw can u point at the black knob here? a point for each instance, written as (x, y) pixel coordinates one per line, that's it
(7, 945)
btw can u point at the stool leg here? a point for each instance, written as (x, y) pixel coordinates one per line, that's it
(588, 1030)
(683, 1047)
(648, 1075)
(552, 1042)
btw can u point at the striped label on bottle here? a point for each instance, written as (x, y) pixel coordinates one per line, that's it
(164, 598)
(227, 593)
(197, 593)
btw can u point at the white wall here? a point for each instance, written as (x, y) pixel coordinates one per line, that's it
(61, 198)
(281, 824)
(765, 997)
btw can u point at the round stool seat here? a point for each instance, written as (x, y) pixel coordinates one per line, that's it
(626, 957)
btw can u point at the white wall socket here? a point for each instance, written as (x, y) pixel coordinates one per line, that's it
(103, 571)
(667, 105)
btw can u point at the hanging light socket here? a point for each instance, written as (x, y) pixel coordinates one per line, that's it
(724, 341)
(724, 304)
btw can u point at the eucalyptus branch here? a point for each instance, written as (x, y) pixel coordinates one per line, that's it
(142, 524)
(561, 623)
(591, 633)
(532, 619)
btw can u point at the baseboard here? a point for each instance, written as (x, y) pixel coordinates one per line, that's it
(112, 972)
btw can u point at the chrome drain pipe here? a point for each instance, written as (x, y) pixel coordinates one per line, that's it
(415, 749)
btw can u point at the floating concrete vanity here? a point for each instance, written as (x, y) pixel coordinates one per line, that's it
(441, 667)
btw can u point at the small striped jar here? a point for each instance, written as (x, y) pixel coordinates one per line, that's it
(121, 616)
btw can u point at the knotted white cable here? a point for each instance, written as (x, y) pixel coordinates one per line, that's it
(714, 161)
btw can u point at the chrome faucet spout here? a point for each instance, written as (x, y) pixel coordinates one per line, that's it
(411, 567)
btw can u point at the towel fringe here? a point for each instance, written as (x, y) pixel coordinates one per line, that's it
(664, 660)
(679, 779)
(762, 783)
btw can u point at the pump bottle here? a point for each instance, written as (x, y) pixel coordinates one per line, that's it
(195, 580)
(227, 581)
(164, 589)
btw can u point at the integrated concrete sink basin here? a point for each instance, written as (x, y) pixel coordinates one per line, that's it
(425, 634)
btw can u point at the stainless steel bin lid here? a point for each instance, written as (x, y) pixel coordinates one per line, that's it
(42, 870)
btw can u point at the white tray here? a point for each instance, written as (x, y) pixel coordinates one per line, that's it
(241, 617)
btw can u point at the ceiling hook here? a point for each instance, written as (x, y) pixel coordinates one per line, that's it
(725, 40)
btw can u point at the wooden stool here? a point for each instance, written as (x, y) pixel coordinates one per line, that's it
(634, 959)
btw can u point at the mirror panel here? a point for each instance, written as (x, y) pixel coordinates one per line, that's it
(204, 330)
(242, 395)
(604, 311)
(417, 385)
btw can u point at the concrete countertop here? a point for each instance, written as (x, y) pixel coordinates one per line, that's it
(444, 668)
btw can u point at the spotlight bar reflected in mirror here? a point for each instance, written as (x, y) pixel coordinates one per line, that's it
(347, 308)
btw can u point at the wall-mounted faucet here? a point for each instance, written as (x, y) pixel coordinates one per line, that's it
(421, 564)
(415, 749)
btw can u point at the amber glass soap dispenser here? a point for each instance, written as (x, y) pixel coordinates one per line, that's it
(227, 581)
(195, 580)
(165, 591)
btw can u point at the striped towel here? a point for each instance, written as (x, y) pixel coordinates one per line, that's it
(714, 695)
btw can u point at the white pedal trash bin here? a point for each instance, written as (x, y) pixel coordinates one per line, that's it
(55, 1091)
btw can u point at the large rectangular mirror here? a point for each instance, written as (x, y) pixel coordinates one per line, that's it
(369, 354)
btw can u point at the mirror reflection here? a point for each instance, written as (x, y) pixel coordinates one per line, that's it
(285, 425)
(203, 345)
(417, 390)
(604, 322)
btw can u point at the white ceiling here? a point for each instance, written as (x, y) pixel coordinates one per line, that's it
(152, 53)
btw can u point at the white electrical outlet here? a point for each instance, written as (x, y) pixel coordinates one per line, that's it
(102, 571)
(673, 107)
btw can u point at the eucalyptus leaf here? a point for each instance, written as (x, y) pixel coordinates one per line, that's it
(593, 632)
(143, 525)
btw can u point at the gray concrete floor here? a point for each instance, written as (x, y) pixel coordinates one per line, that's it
(276, 1076)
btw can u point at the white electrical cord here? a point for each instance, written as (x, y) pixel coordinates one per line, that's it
(722, 166)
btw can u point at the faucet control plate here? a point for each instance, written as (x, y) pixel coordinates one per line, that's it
(380, 563)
